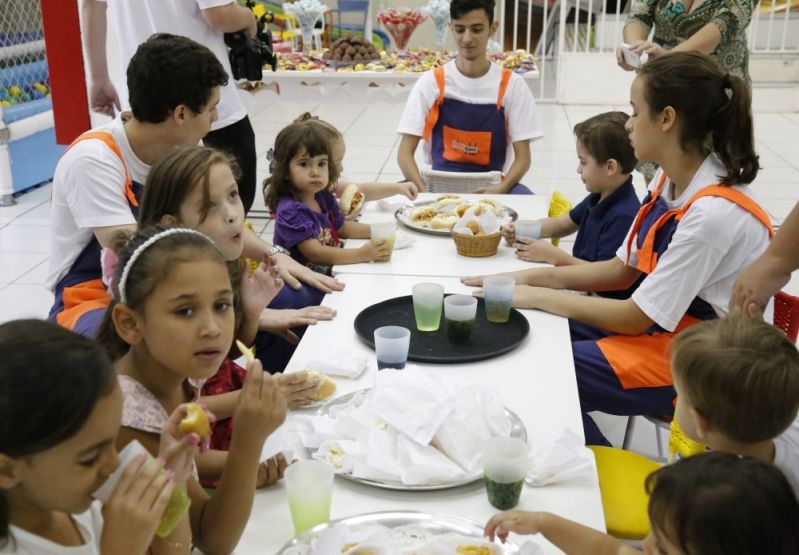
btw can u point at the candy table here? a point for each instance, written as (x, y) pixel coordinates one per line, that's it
(386, 80)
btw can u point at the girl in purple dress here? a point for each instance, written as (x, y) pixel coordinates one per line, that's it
(308, 221)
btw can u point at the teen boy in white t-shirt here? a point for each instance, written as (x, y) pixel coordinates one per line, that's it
(204, 21)
(472, 115)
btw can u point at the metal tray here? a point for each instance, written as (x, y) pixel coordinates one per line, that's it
(403, 215)
(355, 398)
(424, 524)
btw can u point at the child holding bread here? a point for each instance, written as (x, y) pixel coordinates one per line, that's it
(172, 307)
(308, 220)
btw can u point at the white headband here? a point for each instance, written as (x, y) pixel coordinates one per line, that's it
(123, 278)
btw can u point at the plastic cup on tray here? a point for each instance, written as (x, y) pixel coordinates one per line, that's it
(427, 301)
(391, 347)
(459, 313)
(498, 293)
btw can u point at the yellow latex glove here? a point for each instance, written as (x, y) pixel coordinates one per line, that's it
(558, 206)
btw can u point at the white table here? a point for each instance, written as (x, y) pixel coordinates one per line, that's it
(536, 381)
(351, 86)
(435, 255)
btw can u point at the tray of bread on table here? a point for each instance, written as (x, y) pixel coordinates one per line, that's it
(439, 216)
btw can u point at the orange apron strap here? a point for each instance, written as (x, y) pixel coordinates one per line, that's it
(647, 257)
(642, 213)
(80, 299)
(642, 360)
(432, 116)
(108, 139)
(736, 196)
(503, 87)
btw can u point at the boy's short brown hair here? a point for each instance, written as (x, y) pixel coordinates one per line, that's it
(741, 374)
(604, 137)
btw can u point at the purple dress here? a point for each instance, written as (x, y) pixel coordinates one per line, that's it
(296, 222)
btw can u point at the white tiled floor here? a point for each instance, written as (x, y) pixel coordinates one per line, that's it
(371, 155)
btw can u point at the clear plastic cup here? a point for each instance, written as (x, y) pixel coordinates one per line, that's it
(504, 468)
(178, 504)
(427, 301)
(459, 313)
(387, 231)
(309, 485)
(391, 347)
(528, 228)
(498, 294)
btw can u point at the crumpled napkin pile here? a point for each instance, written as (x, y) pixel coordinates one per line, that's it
(412, 428)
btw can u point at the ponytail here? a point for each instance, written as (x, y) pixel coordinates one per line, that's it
(714, 109)
(733, 135)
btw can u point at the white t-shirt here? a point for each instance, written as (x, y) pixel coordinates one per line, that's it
(136, 20)
(89, 524)
(89, 192)
(786, 454)
(520, 113)
(713, 243)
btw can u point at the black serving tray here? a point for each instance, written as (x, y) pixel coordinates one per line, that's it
(488, 339)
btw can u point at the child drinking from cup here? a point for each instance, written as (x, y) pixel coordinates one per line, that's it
(601, 220)
(61, 406)
(703, 505)
(308, 220)
(173, 306)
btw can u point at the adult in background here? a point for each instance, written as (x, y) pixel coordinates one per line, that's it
(204, 21)
(714, 27)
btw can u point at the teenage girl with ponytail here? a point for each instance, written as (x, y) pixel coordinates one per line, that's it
(698, 227)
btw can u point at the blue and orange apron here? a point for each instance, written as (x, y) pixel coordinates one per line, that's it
(466, 137)
(80, 296)
(642, 361)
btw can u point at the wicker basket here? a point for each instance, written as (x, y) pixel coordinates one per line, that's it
(477, 246)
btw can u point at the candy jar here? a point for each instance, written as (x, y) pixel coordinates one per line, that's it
(438, 12)
(307, 13)
(400, 24)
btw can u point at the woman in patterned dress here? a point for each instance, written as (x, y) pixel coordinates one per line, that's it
(714, 27)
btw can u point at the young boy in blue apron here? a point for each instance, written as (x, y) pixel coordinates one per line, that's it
(472, 115)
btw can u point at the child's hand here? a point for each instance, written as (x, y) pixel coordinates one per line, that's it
(376, 250)
(177, 449)
(271, 470)
(509, 233)
(533, 250)
(280, 321)
(261, 407)
(408, 189)
(259, 288)
(297, 388)
(520, 522)
(473, 281)
(134, 508)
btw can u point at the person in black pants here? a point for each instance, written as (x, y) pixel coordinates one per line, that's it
(238, 140)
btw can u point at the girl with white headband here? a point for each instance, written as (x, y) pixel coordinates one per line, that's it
(172, 318)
